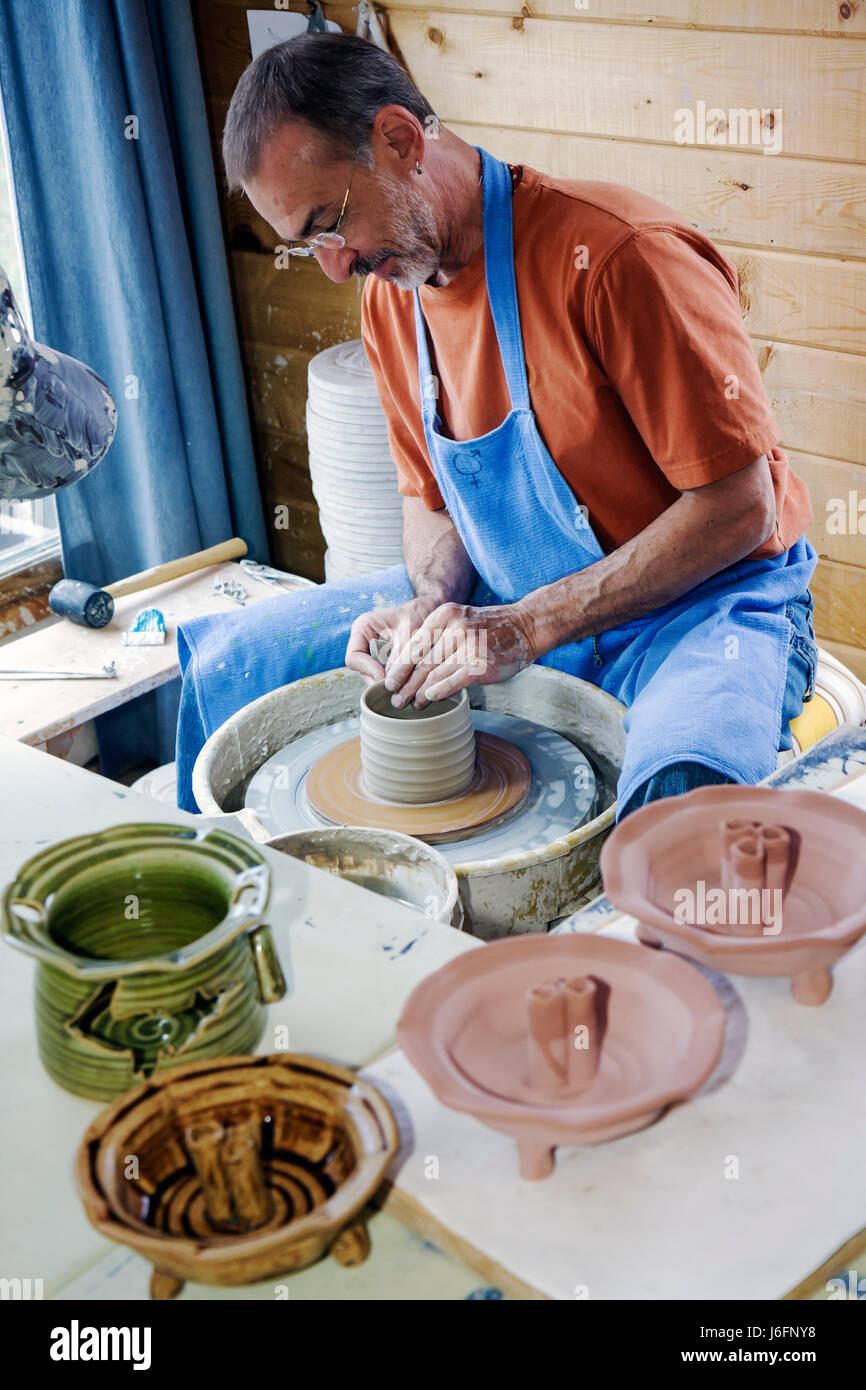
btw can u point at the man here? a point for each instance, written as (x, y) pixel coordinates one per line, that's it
(588, 460)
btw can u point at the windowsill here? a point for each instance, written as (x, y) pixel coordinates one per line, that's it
(24, 592)
(26, 567)
(34, 577)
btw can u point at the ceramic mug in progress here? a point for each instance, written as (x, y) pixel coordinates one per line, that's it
(416, 756)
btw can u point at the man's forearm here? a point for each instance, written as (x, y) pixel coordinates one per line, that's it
(700, 534)
(436, 559)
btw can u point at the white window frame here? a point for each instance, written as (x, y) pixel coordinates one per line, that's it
(29, 532)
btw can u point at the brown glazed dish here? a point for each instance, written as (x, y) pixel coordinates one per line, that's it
(244, 1168)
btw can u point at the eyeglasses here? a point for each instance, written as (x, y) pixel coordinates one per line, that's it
(328, 241)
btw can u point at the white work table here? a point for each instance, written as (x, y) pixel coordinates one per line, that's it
(350, 959)
(660, 1214)
(650, 1216)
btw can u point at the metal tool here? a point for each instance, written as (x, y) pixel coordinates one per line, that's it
(108, 672)
(275, 579)
(231, 588)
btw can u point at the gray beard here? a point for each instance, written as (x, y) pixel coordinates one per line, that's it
(415, 237)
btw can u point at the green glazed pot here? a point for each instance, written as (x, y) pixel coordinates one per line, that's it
(152, 952)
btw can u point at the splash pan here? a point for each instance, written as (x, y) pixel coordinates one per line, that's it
(573, 1040)
(753, 880)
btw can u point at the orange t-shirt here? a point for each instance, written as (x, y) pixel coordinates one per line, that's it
(641, 375)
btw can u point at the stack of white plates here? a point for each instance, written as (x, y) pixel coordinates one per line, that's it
(354, 478)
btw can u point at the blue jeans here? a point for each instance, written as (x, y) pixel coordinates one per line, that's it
(802, 662)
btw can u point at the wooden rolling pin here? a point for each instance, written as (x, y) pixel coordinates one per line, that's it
(88, 606)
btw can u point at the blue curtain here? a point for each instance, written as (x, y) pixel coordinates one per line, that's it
(126, 269)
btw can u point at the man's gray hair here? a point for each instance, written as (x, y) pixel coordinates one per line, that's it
(336, 83)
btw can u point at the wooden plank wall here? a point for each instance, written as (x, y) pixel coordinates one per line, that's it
(589, 90)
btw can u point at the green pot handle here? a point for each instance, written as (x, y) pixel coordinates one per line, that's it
(24, 926)
(272, 984)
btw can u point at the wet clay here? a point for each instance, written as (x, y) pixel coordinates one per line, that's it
(563, 1040)
(500, 784)
(754, 880)
(415, 756)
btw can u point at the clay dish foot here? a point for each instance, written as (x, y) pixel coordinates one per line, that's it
(536, 1161)
(812, 987)
(352, 1246)
(164, 1286)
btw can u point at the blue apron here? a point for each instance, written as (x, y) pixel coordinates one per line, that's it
(703, 677)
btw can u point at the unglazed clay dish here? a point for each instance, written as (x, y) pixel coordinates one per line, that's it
(415, 756)
(753, 880)
(563, 1040)
(248, 1167)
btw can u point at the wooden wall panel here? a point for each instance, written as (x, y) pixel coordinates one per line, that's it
(822, 17)
(628, 82)
(284, 316)
(839, 529)
(818, 398)
(840, 598)
(590, 92)
(739, 196)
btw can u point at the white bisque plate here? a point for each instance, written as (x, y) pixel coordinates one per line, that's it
(349, 420)
(343, 368)
(353, 455)
(561, 796)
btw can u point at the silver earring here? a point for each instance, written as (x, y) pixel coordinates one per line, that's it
(418, 169)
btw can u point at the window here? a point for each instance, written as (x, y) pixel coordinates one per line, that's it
(28, 530)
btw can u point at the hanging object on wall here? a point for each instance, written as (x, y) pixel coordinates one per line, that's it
(353, 474)
(370, 24)
(269, 27)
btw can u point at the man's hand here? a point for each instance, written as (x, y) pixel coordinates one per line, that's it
(457, 645)
(439, 570)
(397, 624)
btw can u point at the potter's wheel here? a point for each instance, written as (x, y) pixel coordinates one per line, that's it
(335, 789)
(561, 793)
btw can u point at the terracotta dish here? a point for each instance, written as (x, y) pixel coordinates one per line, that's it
(563, 1040)
(753, 880)
(247, 1168)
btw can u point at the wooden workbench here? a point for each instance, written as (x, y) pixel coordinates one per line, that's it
(35, 711)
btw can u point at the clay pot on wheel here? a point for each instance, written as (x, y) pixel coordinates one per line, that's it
(416, 756)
